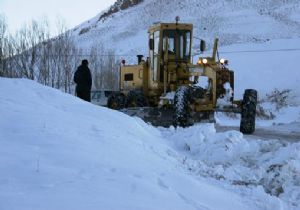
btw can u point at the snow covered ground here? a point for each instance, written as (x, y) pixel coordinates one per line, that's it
(58, 152)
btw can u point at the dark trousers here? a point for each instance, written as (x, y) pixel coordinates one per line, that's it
(83, 93)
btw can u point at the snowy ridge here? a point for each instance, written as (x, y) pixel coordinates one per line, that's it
(271, 165)
(233, 21)
(58, 152)
(118, 5)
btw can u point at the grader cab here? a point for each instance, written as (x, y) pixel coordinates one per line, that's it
(167, 89)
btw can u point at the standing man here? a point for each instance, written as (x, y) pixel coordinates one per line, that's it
(83, 80)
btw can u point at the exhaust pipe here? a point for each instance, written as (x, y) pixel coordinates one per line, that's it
(140, 57)
(215, 49)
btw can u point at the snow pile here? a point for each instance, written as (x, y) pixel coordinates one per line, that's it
(59, 152)
(253, 163)
(226, 99)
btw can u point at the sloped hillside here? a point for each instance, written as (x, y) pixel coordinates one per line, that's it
(125, 28)
(118, 6)
(263, 31)
(59, 152)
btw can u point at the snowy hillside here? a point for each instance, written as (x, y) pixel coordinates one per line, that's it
(260, 38)
(233, 21)
(58, 152)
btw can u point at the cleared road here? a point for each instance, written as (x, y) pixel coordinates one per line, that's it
(285, 132)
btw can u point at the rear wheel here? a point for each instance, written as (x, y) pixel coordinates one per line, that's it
(248, 113)
(116, 101)
(136, 99)
(181, 107)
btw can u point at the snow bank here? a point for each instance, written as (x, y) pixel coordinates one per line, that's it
(271, 165)
(59, 152)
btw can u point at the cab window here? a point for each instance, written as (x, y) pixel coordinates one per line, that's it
(128, 77)
(154, 55)
(179, 43)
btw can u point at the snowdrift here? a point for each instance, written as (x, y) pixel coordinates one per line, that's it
(264, 166)
(59, 152)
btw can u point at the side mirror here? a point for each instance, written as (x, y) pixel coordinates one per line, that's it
(151, 44)
(202, 45)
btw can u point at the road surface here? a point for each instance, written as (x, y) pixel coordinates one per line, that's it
(285, 132)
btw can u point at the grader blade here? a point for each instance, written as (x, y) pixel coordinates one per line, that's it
(164, 117)
(152, 115)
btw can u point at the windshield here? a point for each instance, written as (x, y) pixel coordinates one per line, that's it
(179, 43)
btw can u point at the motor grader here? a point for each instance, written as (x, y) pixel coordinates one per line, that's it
(167, 89)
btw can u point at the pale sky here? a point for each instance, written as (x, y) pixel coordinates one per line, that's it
(74, 12)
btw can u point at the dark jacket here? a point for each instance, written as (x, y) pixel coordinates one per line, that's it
(83, 78)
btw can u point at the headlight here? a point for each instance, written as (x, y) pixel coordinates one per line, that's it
(223, 61)
(202, 61)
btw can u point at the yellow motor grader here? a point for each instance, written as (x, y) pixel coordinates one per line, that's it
(167, 89)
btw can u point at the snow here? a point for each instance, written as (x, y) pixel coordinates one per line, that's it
(59, 152)
(232, 21)
(225, 99)
(230, 157)
(267, 69)
(287, 116)
(259, 38)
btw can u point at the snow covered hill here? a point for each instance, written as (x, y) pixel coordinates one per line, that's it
(260, 38)
(59, 152)
(124, 27)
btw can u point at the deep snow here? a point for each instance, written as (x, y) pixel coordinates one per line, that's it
(58, 152)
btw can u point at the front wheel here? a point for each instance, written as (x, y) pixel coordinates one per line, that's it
(116, 101)
(248, 113)
(181, 107)
(136, 99)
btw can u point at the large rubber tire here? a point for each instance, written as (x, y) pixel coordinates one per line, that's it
(136, 99)
(197, 92)
(181, 107)
(116, 101)
(248, 113)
